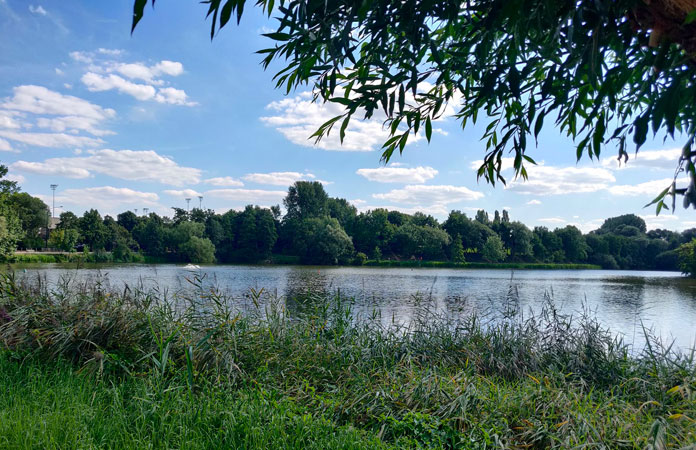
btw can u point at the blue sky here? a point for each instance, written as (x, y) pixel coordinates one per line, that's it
(121, 122)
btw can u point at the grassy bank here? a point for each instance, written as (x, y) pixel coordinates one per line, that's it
(480, 265)
(112, 369)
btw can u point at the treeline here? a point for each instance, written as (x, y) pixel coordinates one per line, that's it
(318, 229)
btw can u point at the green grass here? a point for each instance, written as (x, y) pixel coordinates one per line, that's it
(52, 406)
(83, 367)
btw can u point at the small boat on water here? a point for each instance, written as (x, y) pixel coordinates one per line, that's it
(192, 267)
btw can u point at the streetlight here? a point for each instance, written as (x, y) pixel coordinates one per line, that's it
(53, 188)
(200, 202)
(188, 202)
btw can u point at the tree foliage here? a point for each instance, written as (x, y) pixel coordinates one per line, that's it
(603, 73)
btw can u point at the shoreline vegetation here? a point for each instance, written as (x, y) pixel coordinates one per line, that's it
(81, 366)
(316, 229)
(106, 257)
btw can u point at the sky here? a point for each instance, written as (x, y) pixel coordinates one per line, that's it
(142, 122)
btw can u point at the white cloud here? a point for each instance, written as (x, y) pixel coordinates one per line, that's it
(549, 180)
(173, 96)
(149, 74)
(107, 199)
(650, 159)
(40, 100)
(51, 139)
(7, 119)
(37, 10)
(669, 221)
(98, 83)
(59, 72)
(133, 165)
(278, 178)
(224, 181)
(73, 124)
(5, 146)
(648, 188)
(185, 193)
(83, 57)
(555, 220)
(297, 118)
(418, 174)
(110, 51)
(15, 177)
(429, 195)
(533, 202)
(248, 196)
(57, 169)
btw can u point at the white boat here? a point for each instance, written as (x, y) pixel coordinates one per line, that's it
(192, 267)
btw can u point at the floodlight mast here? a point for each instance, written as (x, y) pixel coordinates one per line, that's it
(53, 188)
(188, 203)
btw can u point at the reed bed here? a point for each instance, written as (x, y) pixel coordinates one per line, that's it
(198, 369)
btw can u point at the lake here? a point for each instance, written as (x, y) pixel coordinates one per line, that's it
(621, 300)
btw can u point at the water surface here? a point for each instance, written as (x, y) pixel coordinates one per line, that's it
(624, 301)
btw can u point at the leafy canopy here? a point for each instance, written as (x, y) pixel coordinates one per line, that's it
(592, 67)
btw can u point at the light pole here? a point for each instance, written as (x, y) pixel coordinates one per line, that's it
(53, 188)
(188, 202)
(200, 202)
(145, 211)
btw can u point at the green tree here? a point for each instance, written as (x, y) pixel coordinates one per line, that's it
(64, 240)
(687, 258)
(424, 242)
(322, 240)
(605, 72)
(92, 230)
(306, 199)
(32, 213)
(197, 250)
(457, 250)
(127, 220)
(68, 221)
(10, 225)
(574, 245)
(493, 250)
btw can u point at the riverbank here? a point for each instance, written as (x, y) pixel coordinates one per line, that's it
(82, 367)
(50, 258)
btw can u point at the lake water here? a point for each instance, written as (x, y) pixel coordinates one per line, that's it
(621, 300)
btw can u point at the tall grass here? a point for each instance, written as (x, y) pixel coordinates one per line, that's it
(516, 381)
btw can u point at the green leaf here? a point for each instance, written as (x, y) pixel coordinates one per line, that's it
(428, 128)
(138, 11)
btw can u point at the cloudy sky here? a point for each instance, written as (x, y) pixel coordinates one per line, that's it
(121, 122)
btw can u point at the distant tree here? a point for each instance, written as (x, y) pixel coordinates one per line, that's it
(482, 217)
(344, 212)
(424, 220)
(92, 230)
(493, 250)
(64, 240)
(457, 250)
(33, 214)
(373, 229)
(180, 215)
(424, 242)
(610, 225)
(574, 245)
(306, 199)
(322, 240)
(68, 221)
(127, 220)
(197, 250)
(687, 258)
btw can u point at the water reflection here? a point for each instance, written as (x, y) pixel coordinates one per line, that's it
(624, 301)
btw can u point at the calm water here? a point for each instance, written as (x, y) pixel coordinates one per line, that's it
(622, 300)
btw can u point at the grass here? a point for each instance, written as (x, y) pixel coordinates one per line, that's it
(85, 367)
(481, 265)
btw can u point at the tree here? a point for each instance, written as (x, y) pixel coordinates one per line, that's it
(687, 258)
(574, 245)
(92, 230)
(64, 240)
(457, 250)
(606, 72)
(127, 220)
(423, 242)
(32, 213)
(68, 221)
(197, 250)
(321, 240)
(306, 199)
(493, 250)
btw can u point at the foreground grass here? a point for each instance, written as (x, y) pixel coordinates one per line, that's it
(86, 368)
